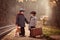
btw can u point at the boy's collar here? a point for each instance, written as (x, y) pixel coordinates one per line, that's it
(20, 14)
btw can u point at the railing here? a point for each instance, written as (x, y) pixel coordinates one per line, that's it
(6, 29)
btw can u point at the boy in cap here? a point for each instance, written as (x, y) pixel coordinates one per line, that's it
(20, 21)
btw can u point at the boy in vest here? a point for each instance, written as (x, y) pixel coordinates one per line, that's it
(33, 21)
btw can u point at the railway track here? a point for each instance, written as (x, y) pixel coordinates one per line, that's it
(5, 30)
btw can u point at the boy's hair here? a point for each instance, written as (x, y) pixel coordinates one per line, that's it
(33, 12)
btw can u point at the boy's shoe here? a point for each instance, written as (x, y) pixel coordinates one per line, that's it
(22, 36)
(32, 36)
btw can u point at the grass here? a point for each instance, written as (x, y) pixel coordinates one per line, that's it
(50, 31)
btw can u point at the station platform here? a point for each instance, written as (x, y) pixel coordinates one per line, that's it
(11, 36)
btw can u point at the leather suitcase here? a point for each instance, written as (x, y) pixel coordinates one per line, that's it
(36, 31)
